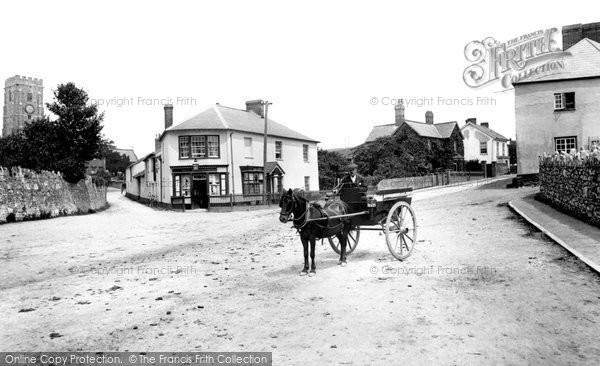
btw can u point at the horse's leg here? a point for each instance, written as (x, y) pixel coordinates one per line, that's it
(313, 267)
(305, 246)
(342, 238)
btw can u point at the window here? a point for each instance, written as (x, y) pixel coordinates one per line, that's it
(565, 143)
(248, 147)
(483, 147)
(564, 101)
(307, 184)
(278, 154)
(10, 96)
(213, 146)
(184, 147)
(181, 186)
(497, 147)
(217, 184)
(305, 152)
(198, 146)
(29, 117)
(503, 149)
(30, 97)
(252, 183)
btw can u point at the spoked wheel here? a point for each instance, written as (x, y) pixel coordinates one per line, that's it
(353, 237)
(401, 230)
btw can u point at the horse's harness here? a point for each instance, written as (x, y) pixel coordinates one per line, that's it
(307, 218)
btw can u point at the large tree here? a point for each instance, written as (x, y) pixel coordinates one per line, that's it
(331, 166)
(64, 144)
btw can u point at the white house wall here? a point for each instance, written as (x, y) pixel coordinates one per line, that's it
(471, 142)
(292, 161)
(537, 124)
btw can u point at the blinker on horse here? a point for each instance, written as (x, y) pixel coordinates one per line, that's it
(313, 222)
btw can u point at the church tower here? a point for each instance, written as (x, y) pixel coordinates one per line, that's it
(23, 102)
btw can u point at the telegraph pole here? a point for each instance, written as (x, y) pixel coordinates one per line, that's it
(266, 105)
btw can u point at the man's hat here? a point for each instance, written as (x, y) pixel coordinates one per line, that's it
(352, 166)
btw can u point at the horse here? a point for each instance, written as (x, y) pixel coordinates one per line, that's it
(306, 217)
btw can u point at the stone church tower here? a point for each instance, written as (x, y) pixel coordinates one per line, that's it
(23, 102)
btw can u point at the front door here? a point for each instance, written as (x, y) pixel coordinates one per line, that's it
(199, 191)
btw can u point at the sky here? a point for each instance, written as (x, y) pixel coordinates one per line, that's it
(330, 68)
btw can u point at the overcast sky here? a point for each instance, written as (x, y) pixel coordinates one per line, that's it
(319, 62)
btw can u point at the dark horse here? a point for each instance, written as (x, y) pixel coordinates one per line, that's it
(312, 222)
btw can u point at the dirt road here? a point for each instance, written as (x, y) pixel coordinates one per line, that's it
(481, 287)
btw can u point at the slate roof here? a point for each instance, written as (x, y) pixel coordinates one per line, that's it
(219, 117)
(271, 166)
(438, 130)
(488, 131)
(582, 60)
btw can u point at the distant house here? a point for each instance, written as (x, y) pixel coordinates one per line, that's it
(429, 131)
(484, 144)
(127, 152)
(559, 111)
(219, 153)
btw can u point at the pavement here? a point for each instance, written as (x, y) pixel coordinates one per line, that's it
(578, 237)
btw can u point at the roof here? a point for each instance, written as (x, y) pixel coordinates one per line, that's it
(486, 130)
(271, 166)
(381, 131)
(127, 152)
(438, 130)
(220, 117)
(582, 60)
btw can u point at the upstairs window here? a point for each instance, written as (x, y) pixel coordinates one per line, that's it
(198, 146)
(248, 147)
(305, 153)
(184, 147)
(29, 97)
(213, 146)
(278, 154)
(564, 101)
(483, 148)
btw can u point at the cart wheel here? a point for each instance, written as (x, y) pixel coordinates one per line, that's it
(353, 237)
(401, 230)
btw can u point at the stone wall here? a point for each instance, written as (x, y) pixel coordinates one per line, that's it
(572, 187)
(28, 195)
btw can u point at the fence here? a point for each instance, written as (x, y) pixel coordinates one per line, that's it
(431, 180)
(249, 201)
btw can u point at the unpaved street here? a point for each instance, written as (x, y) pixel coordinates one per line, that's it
(480, 288)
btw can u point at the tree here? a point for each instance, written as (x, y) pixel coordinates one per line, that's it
(331, 166)
(64, 144)
(116, 162)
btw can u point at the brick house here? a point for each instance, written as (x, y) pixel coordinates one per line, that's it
(432, 133)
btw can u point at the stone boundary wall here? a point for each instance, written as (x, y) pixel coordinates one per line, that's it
(29, 195)
(572, 187)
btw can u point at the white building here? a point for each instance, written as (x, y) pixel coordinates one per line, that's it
(219, 153)
(559, 111)
(484, 144)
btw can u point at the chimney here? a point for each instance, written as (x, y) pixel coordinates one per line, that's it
(471, 120)
(429, 117)
(485, 124)
(399, 112)
(168, 115)
(256, 106)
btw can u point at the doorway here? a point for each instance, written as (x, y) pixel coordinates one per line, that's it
(199, 191)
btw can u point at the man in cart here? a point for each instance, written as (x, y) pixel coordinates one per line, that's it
(353, 179)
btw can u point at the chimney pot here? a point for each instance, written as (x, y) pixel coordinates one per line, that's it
(256, 106)
(168, 115)
(399, 112)
(429, 117)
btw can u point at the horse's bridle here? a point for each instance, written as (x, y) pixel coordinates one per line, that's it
(304, 215)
